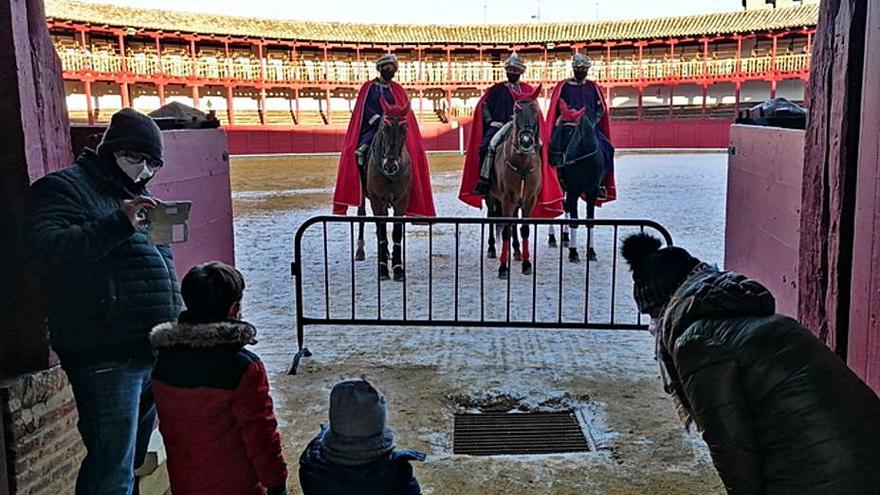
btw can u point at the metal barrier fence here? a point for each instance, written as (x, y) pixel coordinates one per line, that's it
(451, 284)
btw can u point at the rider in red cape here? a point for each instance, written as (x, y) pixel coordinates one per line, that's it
(577, 94)
(482, 129)
(348, 180)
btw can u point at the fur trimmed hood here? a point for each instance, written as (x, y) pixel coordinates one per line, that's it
(203, 334)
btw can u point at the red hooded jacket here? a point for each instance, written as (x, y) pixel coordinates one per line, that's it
(215, 412)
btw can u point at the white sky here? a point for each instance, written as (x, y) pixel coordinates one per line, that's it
(444, 11)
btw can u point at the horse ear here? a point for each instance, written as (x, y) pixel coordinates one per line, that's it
(537, 92)
(563, 107)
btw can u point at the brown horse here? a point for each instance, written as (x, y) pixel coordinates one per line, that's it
(518, 179)
(387, 183)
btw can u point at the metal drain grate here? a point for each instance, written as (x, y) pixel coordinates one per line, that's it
(513, 433)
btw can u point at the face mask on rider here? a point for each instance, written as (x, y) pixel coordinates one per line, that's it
(580, 74)
(387, 72)
(513, 77)
(137, 166)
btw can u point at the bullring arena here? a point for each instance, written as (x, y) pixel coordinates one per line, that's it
(288, 87)
(453, 340)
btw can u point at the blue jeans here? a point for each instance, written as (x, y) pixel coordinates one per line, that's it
(116, 418)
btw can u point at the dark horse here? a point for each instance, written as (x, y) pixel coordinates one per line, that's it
(387, 182)
(517, 180)
(575, 151)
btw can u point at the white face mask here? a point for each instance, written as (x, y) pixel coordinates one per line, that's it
(138, 170)
(654, 326)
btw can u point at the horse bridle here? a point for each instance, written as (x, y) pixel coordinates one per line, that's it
(566, 161)
(382, 169)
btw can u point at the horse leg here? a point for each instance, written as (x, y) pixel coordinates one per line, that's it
(491, 212)
(362, 212)
(566, 238)
(526, 254)
(382, 237)
(517, 254)
(396, 258)
(551, 236)
(504, 267)
(573, 255)
(591, 214)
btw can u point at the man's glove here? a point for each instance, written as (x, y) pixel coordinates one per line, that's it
(497, 125)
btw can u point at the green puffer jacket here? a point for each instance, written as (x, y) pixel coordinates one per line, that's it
(105, 286)
(782, 414)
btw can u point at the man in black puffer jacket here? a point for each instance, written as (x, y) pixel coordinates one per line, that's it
(105, 286)
(782, 414)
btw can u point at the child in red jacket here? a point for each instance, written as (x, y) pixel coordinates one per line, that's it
(212, 395)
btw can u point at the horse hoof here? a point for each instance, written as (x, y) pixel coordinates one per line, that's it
(573, 256)
(399, 275)
(360, 256)
(503, 272)
(551, 242)
(491, 254)
(566, 242)
(383, 274)
(591, 255)
(517, 256)
(527, 268)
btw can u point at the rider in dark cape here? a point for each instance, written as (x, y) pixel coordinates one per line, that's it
(493, 111)
(362, 128)
(579, 92)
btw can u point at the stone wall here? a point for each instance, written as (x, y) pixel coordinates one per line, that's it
(43, 446)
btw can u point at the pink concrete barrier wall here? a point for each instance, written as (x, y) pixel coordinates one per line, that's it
(197, 169)
(763, 209)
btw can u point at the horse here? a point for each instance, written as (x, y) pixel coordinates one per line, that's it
(387, 183)
(574, 150)
(518, 177)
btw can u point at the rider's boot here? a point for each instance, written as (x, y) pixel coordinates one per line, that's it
(483, 184)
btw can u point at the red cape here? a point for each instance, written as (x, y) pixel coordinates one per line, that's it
(604, 124)
(348, 183)
(551, 196)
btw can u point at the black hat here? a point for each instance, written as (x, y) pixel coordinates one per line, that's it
(657, 271)
(133, 131)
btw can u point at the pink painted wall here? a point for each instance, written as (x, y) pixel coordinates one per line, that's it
(197, 169)
(679, 133)
(763, 209)
(863, 350)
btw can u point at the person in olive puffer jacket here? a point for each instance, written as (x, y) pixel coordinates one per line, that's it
(104, 287)
(781, 413)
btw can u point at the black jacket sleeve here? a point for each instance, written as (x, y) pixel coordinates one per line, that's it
(59, 232)
(710, 378)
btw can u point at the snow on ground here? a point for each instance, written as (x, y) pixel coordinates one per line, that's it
(431, 373)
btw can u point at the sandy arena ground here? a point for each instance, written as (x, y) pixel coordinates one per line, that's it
(430, 374)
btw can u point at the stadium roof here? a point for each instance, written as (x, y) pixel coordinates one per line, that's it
(634, 29)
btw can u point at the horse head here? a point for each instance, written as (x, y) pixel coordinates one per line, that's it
(392, 137)
(526, 121)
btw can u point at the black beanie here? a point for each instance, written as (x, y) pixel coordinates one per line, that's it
(657, 271)
(133, 131)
